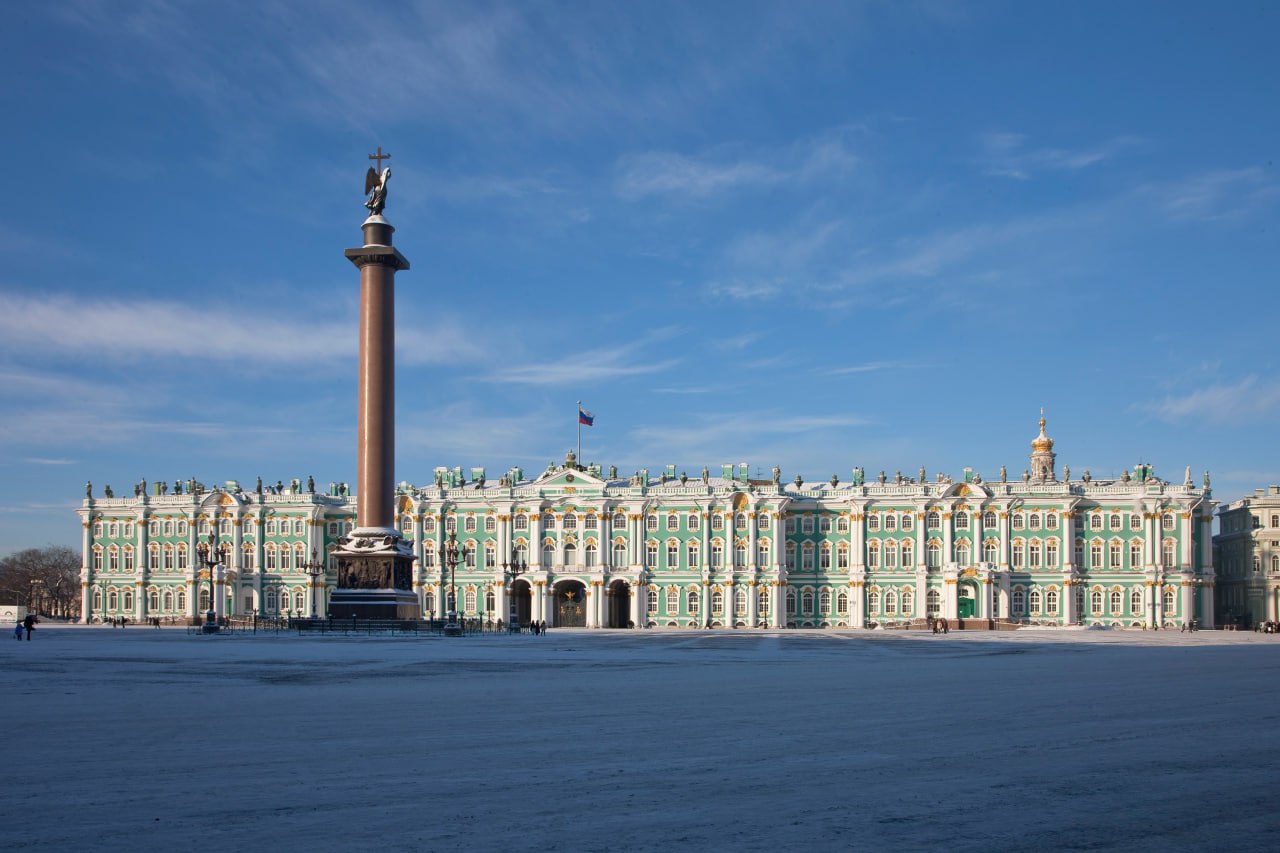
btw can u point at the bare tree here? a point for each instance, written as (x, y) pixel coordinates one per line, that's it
(45, 580)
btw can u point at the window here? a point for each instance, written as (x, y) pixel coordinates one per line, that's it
(961, 521)
(873, 554)
(1135, 522)
(791, 555)
(890, 603)
(873, 522)
(694, 557)
(762, 552)
(932, 602)
(824, 524)
(717, 521)
(806, 602)
(588, 554)
(1135, 602)
(1114, 521)
(548, 521)
(128, 559)
(1018, 521)
(717, 554)
(842, 556)
(717, 601)
(824, 601)
(1051, 521)
(590, 522)
(153, 528)
(695, 521)
(1168, 601)
(933, 521)
(153, 558)
(619, 553)
(97, 559)
(1095, 602)
(808, 557)
(490, 524)
(740, 521)
(791, 601)
(1051, 552)
(873, 601)
(991, 551)
(934, 555)
(962, 552)
(451, 523)
(651, 523)
(1018, 604)
(1019, 554)
(521, 523)
(652, 603)
(651, 554)
(989, 519)
(469, 600)
(1114, 601)
(890, 555)
(1135, 554)
(908, 603)
(1034, 600)
(1095, 522)
(740, 552)
(619, 520)
(890, 522)
(490, 554)
(1113, 555)
(1167, 553)
(673, 522)
(824, 556)
(1166, 521)
(1051, 602)
(673, 555)
(740, 600)
(842, 524)
(842, 603)
(673, 600)
(906, 521)
(1033, 521)
(1095, 554)
(806, 524)
(548, 554)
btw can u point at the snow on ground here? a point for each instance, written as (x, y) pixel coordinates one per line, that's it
(145, 739)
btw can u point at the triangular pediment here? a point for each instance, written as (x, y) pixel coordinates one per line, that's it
(568, 478)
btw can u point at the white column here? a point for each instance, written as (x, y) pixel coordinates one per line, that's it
(1186, 545)
(86, 570)
(753, 603)
(1153, 593)
(639, 598)
(606, 539)
(778, 604)
(948, 539)
(535, 547)
(858, 602)
(594, 590)
(1188, 602)
(704, 614)
(1004, 539)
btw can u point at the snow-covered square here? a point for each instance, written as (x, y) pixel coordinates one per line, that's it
(148, 739)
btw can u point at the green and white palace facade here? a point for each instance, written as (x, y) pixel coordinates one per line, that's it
(602, 551)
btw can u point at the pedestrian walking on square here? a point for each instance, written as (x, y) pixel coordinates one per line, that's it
(17, 630)
(30, 624)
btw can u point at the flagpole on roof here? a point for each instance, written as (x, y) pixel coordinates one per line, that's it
(578, 418)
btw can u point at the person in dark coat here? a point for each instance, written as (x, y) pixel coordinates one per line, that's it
(30, 624)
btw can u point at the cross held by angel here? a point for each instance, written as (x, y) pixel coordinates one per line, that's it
(375, 184)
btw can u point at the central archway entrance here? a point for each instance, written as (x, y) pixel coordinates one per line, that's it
(570, 605)
(521, 603)
(618, 598)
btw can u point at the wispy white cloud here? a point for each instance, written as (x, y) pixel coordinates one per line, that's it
(869, 367)
(1221, 403)
(1006, 155)
(667, 173)
(39, 460)
(142, 330)
(1216, 195)
(593, 365)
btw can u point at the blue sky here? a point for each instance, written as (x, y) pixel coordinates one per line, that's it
(813, 234)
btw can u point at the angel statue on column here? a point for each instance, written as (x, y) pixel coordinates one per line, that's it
(376, 187)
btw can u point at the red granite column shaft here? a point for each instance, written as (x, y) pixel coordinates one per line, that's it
(376, 439)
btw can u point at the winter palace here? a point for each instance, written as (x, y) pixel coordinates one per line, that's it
(581, 546)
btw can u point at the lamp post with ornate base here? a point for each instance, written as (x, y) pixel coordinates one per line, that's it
(450, 557)
(514, 569)
(211, 556)
(313, 570)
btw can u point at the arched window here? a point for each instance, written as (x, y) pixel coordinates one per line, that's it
(1095, 554)
(1167, 553)
(1169, 601)
(521, 522)
(168, 600)
(299, 602)
(934, 554)
(989, 520)
(962, 552)
(1095, 602)
(619, 554)
(1050, 521)
(651, 606)
(908, 602)
(717, 601)
(873, 521)
(933, 521)
(1114, 601)
(1051, 552)
(1035, 552)
(1019, 554)
(113, 600)
(469, 554)
(1035, 600)
(673, 600)
(873, 602)
(873, 554)
(570, 521)
(932, 602)
(1018, 602)
(694, 601)
(182, 600)
(673, 554)
(762, 552)
(428, 602)
(824, 601)
(740, 553)
(673, 521)
(1113, 555)
(842, 556)
(890, 603)
(791, 555)
(693, 549)
(153, 600)
(1033, 521)
(740, 600)
(842, 603)
(570, 555)
(717, 554)
(961, 520)
(890, 522)
(807, 556)
(1051, 602)
(991, 551)
(548, 554)
(469, 600)
(791, 601)
(907, 553)
(806, 602)
(1135, 554)
(590, 554)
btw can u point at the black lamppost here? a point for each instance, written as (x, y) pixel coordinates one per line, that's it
(450, 556)
(313, 570)
(212, 555)
(515, 569)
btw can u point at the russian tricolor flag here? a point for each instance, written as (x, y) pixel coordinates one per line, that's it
(585, 417)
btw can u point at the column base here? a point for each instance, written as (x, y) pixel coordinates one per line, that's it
(375, 578)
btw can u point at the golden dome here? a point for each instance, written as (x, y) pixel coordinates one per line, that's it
(1042, 443)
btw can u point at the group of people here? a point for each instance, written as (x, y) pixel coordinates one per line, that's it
(28, 624)
(940, 625)
(538, 628)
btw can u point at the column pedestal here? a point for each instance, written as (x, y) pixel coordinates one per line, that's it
(375, 577)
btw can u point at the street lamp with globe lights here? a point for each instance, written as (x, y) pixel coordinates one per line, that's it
(212, 555)
(514, 569)
(450, 557)
(313, 569)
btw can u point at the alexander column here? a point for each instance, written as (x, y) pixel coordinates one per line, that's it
(375, 578)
